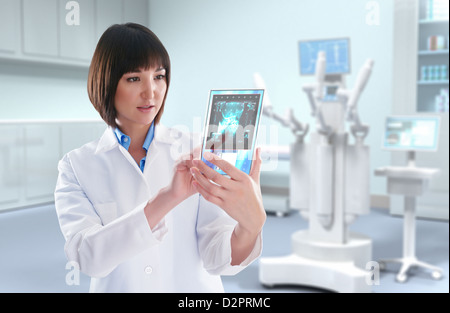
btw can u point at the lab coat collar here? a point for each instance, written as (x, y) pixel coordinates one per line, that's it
(166, 135)
(108, 141)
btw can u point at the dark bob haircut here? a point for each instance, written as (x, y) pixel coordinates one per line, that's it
(123, 49)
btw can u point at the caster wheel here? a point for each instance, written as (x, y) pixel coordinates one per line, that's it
(401, 278)
(436, 275)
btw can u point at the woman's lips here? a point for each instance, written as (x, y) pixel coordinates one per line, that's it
(146, 109)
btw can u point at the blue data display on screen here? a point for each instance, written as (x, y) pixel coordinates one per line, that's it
(336, 51)
(411, 133)
(232, 125)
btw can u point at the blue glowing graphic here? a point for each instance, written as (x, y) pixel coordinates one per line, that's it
(336, 51)
(232, 121)
(232, 124)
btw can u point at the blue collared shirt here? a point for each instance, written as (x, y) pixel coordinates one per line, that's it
(125, 141)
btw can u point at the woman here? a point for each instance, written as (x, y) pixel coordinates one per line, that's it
(129, 208)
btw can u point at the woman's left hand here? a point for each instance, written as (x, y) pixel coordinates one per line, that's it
(239, 196)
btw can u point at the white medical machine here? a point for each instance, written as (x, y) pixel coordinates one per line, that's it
(329, 180)
(410, 134)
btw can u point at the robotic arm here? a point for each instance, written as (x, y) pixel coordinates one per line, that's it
(315, 93)
(288, 120)
(350, 99)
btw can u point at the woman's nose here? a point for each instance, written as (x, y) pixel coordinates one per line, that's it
(149, 90)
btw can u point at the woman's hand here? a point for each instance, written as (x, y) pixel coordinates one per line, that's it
(181, 186)
(239, 196)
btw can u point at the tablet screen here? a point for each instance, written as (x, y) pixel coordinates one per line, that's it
(231, 126)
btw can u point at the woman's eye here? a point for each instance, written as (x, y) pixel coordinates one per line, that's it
(159, 77)
(133, 79)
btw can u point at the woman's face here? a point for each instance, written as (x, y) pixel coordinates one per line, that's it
(139, 97)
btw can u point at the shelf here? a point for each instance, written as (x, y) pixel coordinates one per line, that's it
(433, 52)
(421, 110)
(42, 61)
(433, 82)
(428, 22)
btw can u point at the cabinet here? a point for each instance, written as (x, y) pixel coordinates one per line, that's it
(10, 160)
(137, 12)
(29, 156)
(40, 27)
(77, 41)
(36, 30)
(112, 11)
(9, 33)
(432, 53)
(416, 94)
(41, 154)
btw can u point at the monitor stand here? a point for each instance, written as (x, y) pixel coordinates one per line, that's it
(409, 181)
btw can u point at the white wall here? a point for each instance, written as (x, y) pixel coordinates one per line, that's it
(220, 44)
(36, 91)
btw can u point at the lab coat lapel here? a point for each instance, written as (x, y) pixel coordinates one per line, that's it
(154, 151)
(108, 142)
(158, 162)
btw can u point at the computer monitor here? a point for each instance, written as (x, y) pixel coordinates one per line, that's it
(337, 54)
(411, 133)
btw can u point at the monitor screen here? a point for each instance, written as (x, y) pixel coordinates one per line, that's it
(413, 133)
(337, 53)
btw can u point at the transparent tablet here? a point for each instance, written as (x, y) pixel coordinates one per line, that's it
(231, 127)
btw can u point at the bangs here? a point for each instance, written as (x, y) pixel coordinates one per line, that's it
(139, 50)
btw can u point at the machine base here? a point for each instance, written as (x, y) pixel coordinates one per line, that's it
(409, 262)
(334, 271)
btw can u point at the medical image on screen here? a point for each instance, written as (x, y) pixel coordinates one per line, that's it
(232, 122)
(336, 51)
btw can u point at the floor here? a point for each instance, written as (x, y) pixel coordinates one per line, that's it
(32, 257)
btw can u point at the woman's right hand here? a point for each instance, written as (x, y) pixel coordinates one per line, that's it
(181, 186)
(179, 189)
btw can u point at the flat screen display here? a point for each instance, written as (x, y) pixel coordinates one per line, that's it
(413, 133)
(337, 53)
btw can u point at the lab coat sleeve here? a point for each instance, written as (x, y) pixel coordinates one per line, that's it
(98, 248)
(214, 230)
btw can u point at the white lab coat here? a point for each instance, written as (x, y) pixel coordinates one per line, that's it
(100, 196)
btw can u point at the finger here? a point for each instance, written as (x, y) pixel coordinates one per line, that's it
(256, 166)
(197, 152)
(184, 163)
(180, 165)
(184, 159)
(186, 156)
(206, 184)
(211, 174)
(225, 166)
(208, 196)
